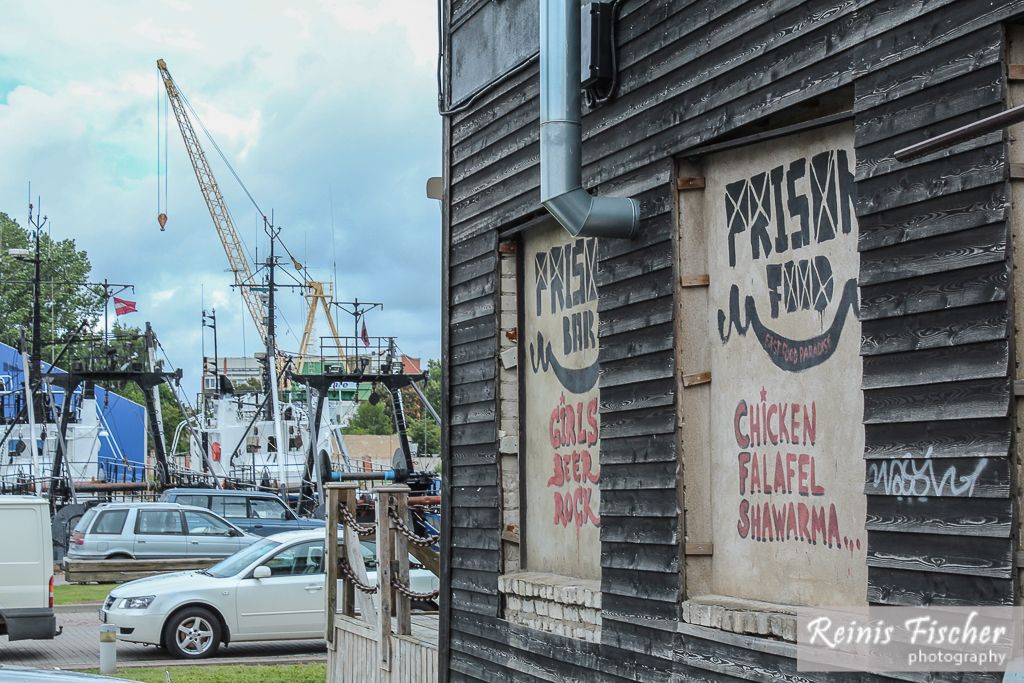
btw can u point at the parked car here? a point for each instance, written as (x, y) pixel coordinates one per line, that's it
(257, 512)
(153, 531)
(26, 569)
(271, 590)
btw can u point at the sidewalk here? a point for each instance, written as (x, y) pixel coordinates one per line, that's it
(93, 607)
(78, 648)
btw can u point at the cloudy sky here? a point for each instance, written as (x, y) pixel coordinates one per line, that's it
(314, 103)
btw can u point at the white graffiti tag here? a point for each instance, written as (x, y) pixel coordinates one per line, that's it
(917, 478)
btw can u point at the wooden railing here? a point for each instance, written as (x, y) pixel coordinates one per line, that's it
(392, 562)
(391, 612)
(341, 510)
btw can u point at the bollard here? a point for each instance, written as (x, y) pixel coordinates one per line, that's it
(108, 650)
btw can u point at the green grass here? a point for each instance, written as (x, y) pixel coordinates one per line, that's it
(314, 672)
(74, 593)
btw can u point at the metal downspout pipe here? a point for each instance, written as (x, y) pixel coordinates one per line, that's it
(561, 135)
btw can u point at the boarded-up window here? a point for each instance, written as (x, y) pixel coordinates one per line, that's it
(561, 425)
(784, 437)
(487, 40)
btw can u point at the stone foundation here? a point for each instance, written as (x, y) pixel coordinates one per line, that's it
(508, 408)
(739, 615)
(556, 604)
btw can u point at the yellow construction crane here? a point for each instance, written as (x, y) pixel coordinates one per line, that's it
(238, 261)
(319, 299)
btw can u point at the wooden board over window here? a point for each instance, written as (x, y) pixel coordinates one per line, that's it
(561, 426)
(786, 439)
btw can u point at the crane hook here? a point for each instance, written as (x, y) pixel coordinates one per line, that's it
(162, 220)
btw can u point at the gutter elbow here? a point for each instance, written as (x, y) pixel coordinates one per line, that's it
(561, 138)
(584, 215)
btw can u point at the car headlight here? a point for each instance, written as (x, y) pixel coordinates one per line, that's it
(137, 603)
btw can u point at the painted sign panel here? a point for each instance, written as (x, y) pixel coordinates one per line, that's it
(562, 433)
(786, 415)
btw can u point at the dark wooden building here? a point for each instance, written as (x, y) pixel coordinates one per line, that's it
(795, 385)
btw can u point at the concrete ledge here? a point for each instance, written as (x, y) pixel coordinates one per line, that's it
(219, 660)
(566, 590)
(739, 615)
(563, 605)
(78, 607)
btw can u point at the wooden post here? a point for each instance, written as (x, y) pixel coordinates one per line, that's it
(331, 557)
(384, 556)
(347, 500)
(403, 606)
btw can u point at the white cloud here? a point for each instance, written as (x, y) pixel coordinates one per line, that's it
(163, 295)
(307, 100)
(240, 132)
(416, 18)
(174, 38)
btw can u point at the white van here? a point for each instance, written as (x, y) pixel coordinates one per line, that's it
(26, 569)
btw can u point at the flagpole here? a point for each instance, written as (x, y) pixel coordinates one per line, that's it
(357, 309)
(106, 313)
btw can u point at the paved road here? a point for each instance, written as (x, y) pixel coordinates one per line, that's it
(78, 647)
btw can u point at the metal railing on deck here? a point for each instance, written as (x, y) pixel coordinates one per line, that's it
(357, 356)
(125, 352)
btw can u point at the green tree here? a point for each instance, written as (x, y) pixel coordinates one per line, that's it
(252, 385)
(425, 432)
(169, 408)
(371, 418)
(128, 341)
(422, 428)
(65, 303)
(130, 344)
(433, 389)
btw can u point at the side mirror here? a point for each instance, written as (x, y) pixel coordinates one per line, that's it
(261, 572)
(235, 533)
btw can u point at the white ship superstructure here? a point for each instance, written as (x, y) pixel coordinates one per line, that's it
(240, 441)
(82, 441)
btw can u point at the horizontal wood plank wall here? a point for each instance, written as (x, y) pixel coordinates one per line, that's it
(936, 331)
(640, 543)
(934, 276)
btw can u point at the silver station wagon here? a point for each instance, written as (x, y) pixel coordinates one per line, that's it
(154, 531)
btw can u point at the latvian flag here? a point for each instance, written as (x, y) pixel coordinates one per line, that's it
(123, 306)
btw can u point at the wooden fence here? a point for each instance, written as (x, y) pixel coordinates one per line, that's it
(116, 571)
(371, 632)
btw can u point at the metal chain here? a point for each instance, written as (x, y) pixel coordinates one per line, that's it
(424, 541)
(350, 575)
(360, 529)
(410, 593)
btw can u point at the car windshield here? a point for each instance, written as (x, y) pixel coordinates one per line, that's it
(242, 559)
(369, 553)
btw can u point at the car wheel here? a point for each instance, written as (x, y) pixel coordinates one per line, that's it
(193, 633)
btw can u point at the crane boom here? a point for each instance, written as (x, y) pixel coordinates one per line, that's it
(238, 261)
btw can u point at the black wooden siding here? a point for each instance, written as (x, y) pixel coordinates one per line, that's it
(936, 334)
(936, 330)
